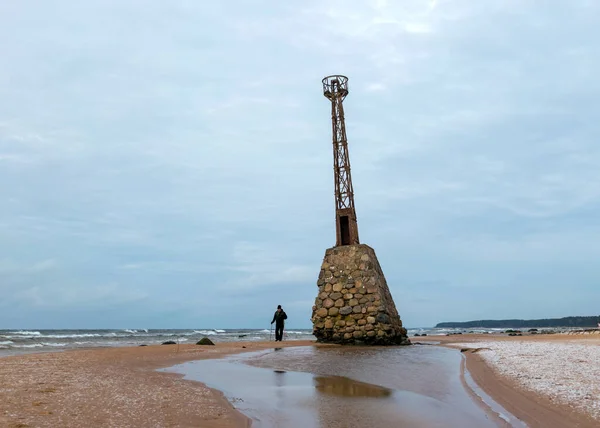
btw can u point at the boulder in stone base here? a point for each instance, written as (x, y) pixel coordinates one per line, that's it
(354, 304)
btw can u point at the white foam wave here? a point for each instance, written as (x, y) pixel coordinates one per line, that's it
(205, 332)
(28, 333)
(6, 342)
(72, 336)
(220, 331)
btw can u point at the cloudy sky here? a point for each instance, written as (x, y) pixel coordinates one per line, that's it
(169, 164)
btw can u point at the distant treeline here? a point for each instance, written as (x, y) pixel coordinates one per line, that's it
(548, 322)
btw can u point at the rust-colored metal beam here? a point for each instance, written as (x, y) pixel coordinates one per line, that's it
(335, 89)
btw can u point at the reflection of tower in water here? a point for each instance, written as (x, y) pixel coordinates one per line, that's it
(343, 402)
(344, 387)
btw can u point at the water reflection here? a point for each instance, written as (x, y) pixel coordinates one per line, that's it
(312, 388)
(344, 387)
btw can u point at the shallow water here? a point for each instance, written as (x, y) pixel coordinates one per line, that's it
(416, 386)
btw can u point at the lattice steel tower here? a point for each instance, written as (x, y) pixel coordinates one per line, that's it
(335, 89)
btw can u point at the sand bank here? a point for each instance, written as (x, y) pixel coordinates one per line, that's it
(544, 380)
(115, 387)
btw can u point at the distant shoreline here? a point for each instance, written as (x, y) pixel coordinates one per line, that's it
(565, 322)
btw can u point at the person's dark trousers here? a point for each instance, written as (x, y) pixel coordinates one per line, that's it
(278, 332)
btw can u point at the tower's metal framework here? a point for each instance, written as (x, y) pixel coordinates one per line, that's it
(335, 89)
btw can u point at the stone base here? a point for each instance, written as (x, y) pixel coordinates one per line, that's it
(354, 305)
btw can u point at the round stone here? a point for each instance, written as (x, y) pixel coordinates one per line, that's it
(363, 300)
(348, 336)
(370, 333)
(328, 287)
(346, 310)
(365, 258)
(323, 295)
(322, 312)
(369, 327)
(371, 320)
(337, 286)
(353, 302)
(362, 322)
(350, 329)
(363, 311)
(340, 323)
(328, 303)
(382, 318)
(381, 333)
(357, 316)
(329, 324)
(333, 312)
(357, 334)
(348, 296)
(357, 309)
(335, 295)
(354, 290)
(339, 303)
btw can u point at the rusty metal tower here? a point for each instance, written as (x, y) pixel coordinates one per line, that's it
(335, 89)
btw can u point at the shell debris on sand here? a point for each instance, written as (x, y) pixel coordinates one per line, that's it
(566, 372)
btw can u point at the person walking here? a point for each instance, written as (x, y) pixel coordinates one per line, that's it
(279, 320)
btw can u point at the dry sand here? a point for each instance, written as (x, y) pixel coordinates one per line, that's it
(120, 387)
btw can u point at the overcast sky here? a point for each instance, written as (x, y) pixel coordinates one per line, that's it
(169, 164)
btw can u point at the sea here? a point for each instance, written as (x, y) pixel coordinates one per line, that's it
(25, 341)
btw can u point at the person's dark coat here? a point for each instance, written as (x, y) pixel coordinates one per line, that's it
(279, 318)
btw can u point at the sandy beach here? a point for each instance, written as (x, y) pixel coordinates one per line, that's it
(115, 387)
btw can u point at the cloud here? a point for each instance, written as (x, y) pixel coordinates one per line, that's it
(258, 266)
(176, 157)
